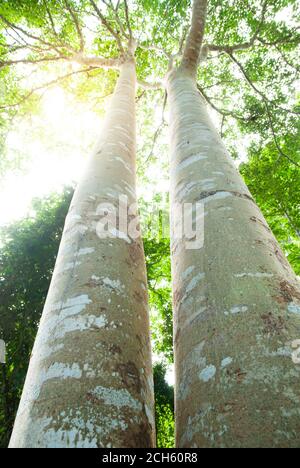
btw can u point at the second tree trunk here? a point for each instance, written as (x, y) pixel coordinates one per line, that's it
(236, 299)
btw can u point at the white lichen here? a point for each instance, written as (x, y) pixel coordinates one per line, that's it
(67, 266)
(115, 285)
(294, 308)
(60, 370)
(236, 310)
(81, 323)
(194, 282)
(189, 161)
(217, 196)
(208, 373)
(187, 272)
(254, 275)
(117, 398)
(86, 251)
(226, 362)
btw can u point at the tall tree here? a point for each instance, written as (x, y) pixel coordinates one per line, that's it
(89, 382)
(27, 259)
(236, 299)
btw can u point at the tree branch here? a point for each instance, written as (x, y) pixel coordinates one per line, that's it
(266, 104)
(287, 216)
(229, 49)
(79, 58)
(146, 85)
(195, 37)
(47, 85)
(219, 83)
(98, 62)
(77, 25)
(223, 112)
(107, 26)
(95, 62)
(289, 111)
(31, 36)
(51, 19)
(262, 20)
(15, 47)
(286, 60)
(247, 45)
(182, 40)
(127, 18)
(19, 39)
(289, 39)
(156, 48)
(159, 128)
(110, 5)
(29, 61)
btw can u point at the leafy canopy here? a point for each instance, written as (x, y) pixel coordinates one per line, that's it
(249, 76)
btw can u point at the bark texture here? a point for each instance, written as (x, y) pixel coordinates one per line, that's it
(89, 382)
(236, 300)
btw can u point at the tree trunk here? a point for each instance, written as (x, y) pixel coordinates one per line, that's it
(90, 382)
(236, 299)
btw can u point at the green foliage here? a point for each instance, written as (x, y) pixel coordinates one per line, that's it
(254, 97)
(254, 94)
(275, 185)
(159, 281)
(164, 408)
(155, 227)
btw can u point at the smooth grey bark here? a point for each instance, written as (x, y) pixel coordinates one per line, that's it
(236, 300)
(90, 382)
